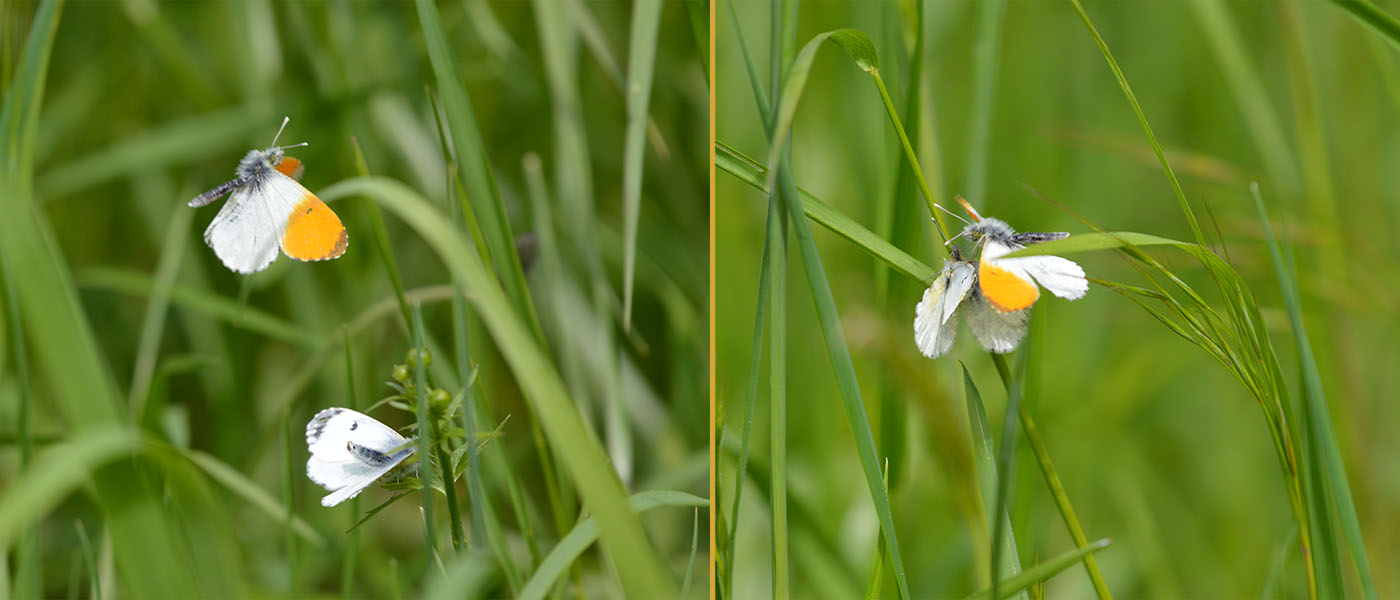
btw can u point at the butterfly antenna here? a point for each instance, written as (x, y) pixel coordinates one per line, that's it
(968, 207)
(954, 238)
(279, 131)
(955, 215)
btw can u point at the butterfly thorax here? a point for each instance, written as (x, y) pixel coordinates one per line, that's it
(989, 227)
(257, 163)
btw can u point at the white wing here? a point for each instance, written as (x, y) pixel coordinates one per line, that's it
(997, 331)
(934, 324)
(245, 233)
(350, 451)
(1060, 276)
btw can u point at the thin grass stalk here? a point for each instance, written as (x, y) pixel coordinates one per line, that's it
(289, 536)
(1052, 480)
(1318, 419)
(985, 462)
(1006, 461)
(641, 59)
(1142, 120)
(153, 324)
(381, 237)
(352, 540)
(782, 38)
(29, 559)
(425, 438)
(985, 58)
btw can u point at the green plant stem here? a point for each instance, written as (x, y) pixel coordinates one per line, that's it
(1052, 480)
(911, 156)
(425, 439)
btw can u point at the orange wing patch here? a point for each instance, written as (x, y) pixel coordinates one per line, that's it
(313, 231)
(1006, 291)
(291, 167)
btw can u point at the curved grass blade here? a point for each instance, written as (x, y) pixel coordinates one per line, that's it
(1373, 17)
(583, 458)
(1142, 120)
(748, 171)
(571, 546)
(1043, 571)
(247, 489)
(57, 472)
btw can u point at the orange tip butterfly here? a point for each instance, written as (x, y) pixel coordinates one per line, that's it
(268, 210)
(350, 451)
(993, 293)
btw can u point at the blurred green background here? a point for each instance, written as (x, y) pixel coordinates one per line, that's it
(1158, 446)
(148, 104)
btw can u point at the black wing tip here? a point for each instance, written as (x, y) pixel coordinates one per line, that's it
(317, 425)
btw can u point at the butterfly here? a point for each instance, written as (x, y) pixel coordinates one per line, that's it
(350, 451)
(268, 209)
(993, 293)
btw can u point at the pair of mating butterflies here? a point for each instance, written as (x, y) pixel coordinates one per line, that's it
(993, 294)
(268, 209)
(350, 451)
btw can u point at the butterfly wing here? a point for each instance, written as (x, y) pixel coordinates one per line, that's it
(310, 230)
(935, 326)
(245, 232)
(997, 331)
(350, 451)
(1003, 282)
(1060, 276)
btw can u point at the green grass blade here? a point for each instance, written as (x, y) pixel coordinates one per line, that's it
(571, 546)
(425, 430)
(1043, 571)
(381, 237)
(731, 161)
(215, 306)
(1316, 416)
(57, 472)
(1374, 18)
(153, 324)
(582, 456)
(1142, 120)
(475, 165)
(641, 60)
(1006, 461)
(846, 379)
(254, 495)
(985, 57)
(985, 460)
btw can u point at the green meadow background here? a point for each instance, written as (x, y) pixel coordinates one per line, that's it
(525, 188)
(1157, 445)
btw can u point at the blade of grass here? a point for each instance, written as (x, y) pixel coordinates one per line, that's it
(1005, 462)
(585, 532)
(1142, 120)
(985, 459)
(425, 429)
(289, 507)
(1044, 571)
(641, 60)
(352, 541)
(583, 458)
(381, 236)
(1317, 418)
(251, 493)
(58, 471)
(747, 171)
(985, 58)
(1374, 18)
(153, 324)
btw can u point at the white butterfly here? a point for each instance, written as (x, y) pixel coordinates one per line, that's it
(997, 292)
(954, 292)
(350, 451)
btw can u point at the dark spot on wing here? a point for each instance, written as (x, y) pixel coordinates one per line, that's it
(354, 424)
